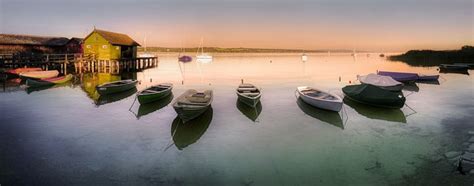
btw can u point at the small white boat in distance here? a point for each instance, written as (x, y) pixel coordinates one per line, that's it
(320, 99)
(384, 82)
(304, 57)
(203, 57)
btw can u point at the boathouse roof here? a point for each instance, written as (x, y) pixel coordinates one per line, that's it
(15, 39)
(116, 38)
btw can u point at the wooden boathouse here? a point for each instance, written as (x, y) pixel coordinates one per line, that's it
(106, 45)
(100, 51)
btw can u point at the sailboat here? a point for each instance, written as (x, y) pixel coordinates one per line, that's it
(354, 53)
(184, 58)
(203, 57)
(145, 53)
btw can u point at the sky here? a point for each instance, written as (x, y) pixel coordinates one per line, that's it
(371, 25)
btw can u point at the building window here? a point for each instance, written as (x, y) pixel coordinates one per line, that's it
(117, 48)
(88, 46)
(104, 46)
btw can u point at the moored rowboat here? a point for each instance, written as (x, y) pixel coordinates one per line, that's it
(400, 76)
(48, 81)
(453, 67)
(320, 99)
(154, 93)
(248, 94)
(375, 96)
(192, 103)
(385, 82)
(17, 71)
(428, 77)
(116, 86)
(40, 74)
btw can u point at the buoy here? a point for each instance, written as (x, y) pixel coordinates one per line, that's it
(350, 82)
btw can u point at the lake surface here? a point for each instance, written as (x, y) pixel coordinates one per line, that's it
(70, 135)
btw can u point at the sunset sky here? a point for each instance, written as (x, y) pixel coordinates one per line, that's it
(379, 25)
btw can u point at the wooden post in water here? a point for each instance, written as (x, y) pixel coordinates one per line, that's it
(65, 64)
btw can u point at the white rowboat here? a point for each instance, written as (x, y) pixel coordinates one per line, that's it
(320, 99)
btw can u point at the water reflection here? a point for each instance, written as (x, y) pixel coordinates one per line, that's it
(148, 108)
(185, 134)
(330, 117)
(412, 87)
(429, 82)
(109, 98)
(251, 112)
(394, 115)
(30, 90)
(90, 81)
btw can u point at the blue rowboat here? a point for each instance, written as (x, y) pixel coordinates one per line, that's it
(400, 76)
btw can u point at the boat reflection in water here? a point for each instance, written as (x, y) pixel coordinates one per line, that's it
(393, 115)
(251, 112)
(412, 87)
(30, 90)
(330, 117)
(109, 98)
(447, 71)
(436, 82)
(185, 134)
(148, 108)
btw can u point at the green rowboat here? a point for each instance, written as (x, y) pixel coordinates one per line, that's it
(374, 96)
(154, 93)
(116, 86)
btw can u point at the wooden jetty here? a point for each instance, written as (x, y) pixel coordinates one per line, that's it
(78, 62)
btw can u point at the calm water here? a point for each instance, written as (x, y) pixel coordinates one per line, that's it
(70, 135)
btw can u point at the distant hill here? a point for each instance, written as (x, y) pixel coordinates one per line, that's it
(237, 50)
(435, 58)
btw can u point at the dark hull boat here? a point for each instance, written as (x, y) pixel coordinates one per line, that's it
(428, 77)
(469, 65)
(248, 94)
(400, 76)
(451, 68)
(375, 96)
(192, 104)
(154, 93)
(116, 86)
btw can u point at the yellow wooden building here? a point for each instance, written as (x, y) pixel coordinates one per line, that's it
(105, 45)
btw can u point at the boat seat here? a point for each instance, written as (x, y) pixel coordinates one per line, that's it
(164, 86)
(246, 85)
(247, 89)
(151, 91)
(250, 94)
(198, 97)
